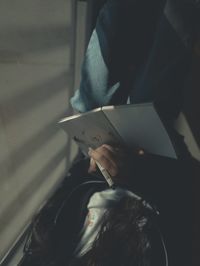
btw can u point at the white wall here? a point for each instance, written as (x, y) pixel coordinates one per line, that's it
(36, 81)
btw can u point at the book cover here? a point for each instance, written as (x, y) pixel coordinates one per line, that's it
(135, 125)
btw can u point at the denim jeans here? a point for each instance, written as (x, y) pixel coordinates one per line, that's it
(136, 53)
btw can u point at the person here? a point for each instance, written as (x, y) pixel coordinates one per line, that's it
(88, 223)
(140, 51)
(146, 218)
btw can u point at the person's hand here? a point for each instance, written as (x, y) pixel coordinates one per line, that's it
(113, 159)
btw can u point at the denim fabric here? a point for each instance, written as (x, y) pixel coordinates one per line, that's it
(97, 86)
(133, 52)
(94, 90)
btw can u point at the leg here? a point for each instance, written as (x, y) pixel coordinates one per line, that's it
(98, 79)
(121, 39)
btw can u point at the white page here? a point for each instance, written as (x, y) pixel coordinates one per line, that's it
(91, 129)
(139, 125)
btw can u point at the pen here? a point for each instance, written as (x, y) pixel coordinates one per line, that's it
(105, 174)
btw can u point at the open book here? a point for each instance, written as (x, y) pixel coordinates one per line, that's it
(133, 125)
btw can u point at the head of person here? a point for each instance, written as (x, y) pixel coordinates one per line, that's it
(128, 237)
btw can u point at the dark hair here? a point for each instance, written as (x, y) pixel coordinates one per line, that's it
(124, 237)
(127, 238)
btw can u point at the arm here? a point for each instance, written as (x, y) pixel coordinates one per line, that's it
(157, 178)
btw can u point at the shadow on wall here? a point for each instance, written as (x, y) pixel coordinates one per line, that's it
(28, 41)
(34, 150)
(31, 98)
(32, 187)
(26, 102)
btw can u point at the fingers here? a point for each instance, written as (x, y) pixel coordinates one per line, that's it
(106, 158)
(110, 148)
(115, 160)
(93, 166)
(104, 152)
(118, 154)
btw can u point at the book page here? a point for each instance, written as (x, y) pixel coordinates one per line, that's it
(139, 125)
(91, 129)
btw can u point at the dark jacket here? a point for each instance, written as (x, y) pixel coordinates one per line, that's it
(165, 183)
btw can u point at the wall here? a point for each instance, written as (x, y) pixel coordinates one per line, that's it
(36, 81)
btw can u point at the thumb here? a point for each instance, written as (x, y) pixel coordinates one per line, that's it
(93, 166)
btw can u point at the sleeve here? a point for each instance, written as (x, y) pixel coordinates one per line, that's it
(161, 180)
(169, 186)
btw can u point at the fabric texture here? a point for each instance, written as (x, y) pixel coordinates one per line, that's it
(140, 50)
